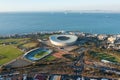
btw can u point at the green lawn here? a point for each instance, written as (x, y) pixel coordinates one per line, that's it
(30, 44)
(14, 41)
(19, 42)
(8, 53)
(41, 54)
(104, 56)
(50, 58)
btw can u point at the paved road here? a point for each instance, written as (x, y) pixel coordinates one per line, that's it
(78, 65)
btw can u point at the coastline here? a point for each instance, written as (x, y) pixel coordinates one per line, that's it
(52, 32)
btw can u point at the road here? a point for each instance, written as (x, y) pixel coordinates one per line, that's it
(78, 65)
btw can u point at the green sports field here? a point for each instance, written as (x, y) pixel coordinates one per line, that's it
(8, 53)
(41, 54)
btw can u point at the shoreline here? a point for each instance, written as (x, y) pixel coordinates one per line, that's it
(54, 32)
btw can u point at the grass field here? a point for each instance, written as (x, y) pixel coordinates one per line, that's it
(19, 42)
(30, 44)
(14, 41)
(41, 54)
(8, 53)
(105, 56)
(9, 50)
(50, 58)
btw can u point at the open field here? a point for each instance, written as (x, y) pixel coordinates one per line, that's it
(105, 56)
(30, 44)
(22, 43)
(13, 41)
(8, 53)
(50, 58)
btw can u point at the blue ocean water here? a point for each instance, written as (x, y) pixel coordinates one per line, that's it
(12, 23)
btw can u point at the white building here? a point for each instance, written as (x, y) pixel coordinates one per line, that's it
(102, 37)
(63, 40)
(111, 39)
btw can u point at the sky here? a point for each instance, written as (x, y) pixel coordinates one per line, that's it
(58, 5)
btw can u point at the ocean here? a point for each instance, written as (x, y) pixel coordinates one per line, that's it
(20, 23)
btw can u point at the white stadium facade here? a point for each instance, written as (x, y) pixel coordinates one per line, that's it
(63, 40)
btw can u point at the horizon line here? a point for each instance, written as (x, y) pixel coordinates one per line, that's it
(82, 11)
(66, 11)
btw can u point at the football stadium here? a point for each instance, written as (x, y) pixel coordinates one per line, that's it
(63, 40)
(37, 54)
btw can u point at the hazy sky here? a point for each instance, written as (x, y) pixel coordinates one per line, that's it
(58, 5)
